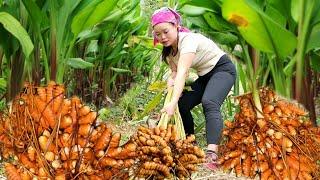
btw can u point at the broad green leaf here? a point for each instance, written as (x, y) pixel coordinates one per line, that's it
(83, 4)
(223, 38)
(11, 7)
(5, 41)
(283, 7)
(141, 40)
(108, 30)
(123, 27)
(216, 22)
(37, 16)
(91, 15)
(90, 59)
(116, 53)
(86, 9)
(115, 15)
(157, 86)
(276, 16)
(119, 70)
(258, 29)
(295, 10)
(100, 12)
(62, 21)
(3, 84)
(92, 47)
(151, 105)
(89, 34)
(316, 14)
(15, 28)
(315, 62)
(208, 4)
(79, 63)
(136, 24)
(199, 21)
(314, 39)
(193, 10)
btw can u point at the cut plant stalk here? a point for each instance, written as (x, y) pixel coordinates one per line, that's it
(179, 124)
(253, 80)
(165, 118)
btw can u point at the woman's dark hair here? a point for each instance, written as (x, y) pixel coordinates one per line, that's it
(165, 53)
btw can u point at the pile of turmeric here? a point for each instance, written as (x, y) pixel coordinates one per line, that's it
(162, 154)
(48, 136)
(53, 137)
(281, 145)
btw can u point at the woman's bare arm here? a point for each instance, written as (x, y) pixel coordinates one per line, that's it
(184, 64)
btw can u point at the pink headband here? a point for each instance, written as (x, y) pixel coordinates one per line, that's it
(166, 14)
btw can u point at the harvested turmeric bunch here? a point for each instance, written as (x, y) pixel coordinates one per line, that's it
(53, 137)
(279, 146)
(162, 155)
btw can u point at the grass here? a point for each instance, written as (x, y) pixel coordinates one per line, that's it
(129, 106)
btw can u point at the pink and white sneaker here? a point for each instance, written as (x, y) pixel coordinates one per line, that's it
(211, 160)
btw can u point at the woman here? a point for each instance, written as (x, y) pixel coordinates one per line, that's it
(182, 50)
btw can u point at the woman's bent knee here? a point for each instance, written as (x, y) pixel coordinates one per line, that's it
(209, 104)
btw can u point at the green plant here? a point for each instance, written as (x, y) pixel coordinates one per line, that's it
(13, 56)
(259, 27)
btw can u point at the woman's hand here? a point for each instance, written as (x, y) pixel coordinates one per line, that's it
(170, 82)
(169, 108)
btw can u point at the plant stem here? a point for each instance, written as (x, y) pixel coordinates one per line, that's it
(45, 60)
(53, 41)
(62, 62)
(164, 120)
(164, 116)
(305, 16)
(255, 93)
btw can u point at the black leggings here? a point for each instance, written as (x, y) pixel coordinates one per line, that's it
(210, 90)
